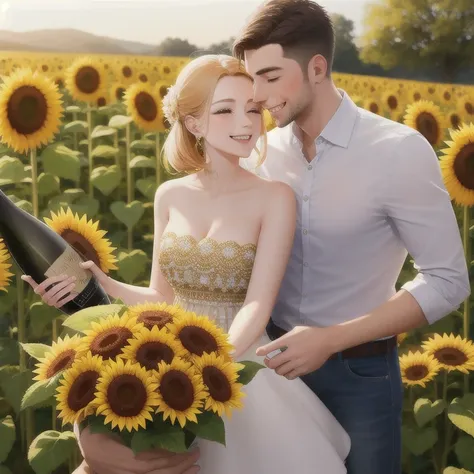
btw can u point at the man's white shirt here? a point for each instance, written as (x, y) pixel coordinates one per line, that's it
(373, 193)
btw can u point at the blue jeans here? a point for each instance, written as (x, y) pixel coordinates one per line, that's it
(366, 396)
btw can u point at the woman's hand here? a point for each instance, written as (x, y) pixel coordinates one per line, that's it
(56, 291)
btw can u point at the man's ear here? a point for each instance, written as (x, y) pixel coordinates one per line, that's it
(192, 124)
(317, 68)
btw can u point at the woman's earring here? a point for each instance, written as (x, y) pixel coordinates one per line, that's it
(199, 147)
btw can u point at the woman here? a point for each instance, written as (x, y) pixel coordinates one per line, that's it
(223, 237)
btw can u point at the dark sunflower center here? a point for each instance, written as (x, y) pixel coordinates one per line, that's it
(417, 96)
(469, 108)
(392, 102)
(109, 343)
(154, 318)
(27, 110)
(163, 91)
(197, 340)
(127, 395)
(217, 383)
(166, 70)
(177, 390)
(447, 95)
(119, 92)
(450, 356)
(464, 166)
(101, 101)
(431, 90)
(82, 390)
(146, 106)
(150, 354)
(44, 67)
(143, 77)
(87, 79)
(126, 71)
(82, 245)
(374, 108)
(63, 361)
(59, 83)
(416, 372)
(427, 125)
(455, 120)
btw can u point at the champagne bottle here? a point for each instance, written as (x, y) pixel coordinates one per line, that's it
(41, 252)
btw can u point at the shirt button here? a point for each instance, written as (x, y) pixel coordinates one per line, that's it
(305, 198)
(305, 264)
(310, 167)
(305, 231)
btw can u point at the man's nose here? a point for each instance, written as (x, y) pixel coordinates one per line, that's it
(259, 95)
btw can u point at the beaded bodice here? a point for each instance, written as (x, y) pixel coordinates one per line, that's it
(206, 271)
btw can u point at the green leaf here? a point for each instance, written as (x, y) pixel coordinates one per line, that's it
(210, 426)
(14, 388)
(40, 392)
(128, 214)
(461, 413)
(5, 470)
(456, 470)
(8, 371)
(104, 151)
(425, 411)
(119, 121)
(81, 320)
(171, 438)
(50, 449)
(73, 109)
(86, 205)
(464, 449)
(41, 316)
(106, 179)
(102, 131)
(419, 440)
(76, 127)
(37, 351)
(8, 436)
(61, 161)
(47, 184)
(147, 187)
(9, 351)
(142, 145)
(249, 371)
(12, 171)
(131, 264)
(142, 161)
(96, 425)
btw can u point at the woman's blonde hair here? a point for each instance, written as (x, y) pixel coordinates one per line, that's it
(192, 95)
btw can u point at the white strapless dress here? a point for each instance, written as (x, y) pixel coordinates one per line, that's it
(283, 427)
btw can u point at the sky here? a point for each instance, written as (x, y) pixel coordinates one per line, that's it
(202, 22)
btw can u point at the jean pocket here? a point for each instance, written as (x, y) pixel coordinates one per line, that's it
(367, 368)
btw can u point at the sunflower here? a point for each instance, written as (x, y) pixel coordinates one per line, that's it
(220, 380)
(401, 337)
(126, 395)
(199, 335)
(77, 388)
(454, 119)
(155, 314)
(373, 105)
(451, 352)
(143, 107)
(61, 356)
(150, 347)
(466, 106)
(117, 91)
(418, 368)
(427, 118)
(30, 110)
(180, 391)
(392, 103)
(85, 237)
(109, 335)
(457, 165)
(85, 80)
(5, 275)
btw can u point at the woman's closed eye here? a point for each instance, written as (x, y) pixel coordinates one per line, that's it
(228, 111)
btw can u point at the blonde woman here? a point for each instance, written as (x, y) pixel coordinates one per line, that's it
(223, 237)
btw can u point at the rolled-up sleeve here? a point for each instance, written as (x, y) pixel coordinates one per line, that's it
(420, 208)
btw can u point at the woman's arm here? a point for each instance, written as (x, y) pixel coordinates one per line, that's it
(273, 252)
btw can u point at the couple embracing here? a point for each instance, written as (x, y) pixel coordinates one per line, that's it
(294, 248)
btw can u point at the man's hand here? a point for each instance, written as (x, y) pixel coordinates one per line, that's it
(308, 348)
(106, 455)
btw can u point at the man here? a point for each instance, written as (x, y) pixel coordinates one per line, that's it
(369, 191)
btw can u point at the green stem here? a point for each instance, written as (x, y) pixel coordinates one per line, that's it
(129, 183)
(447, 424)
(89, 149)
(34, 181)
(158, 161)
(76, 144)
(467, 303)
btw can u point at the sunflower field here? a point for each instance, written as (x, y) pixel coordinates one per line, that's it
(80, 144)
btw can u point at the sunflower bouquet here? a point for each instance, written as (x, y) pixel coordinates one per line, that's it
(153, 374)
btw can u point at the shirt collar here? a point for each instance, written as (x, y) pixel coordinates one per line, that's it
(338, 130)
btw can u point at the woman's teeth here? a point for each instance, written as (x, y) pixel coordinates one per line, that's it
(241, 137)
(277, 108)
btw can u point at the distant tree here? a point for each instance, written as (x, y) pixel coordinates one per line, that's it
(224, 47)
(420, 34)
(175, 47)
(346, 57)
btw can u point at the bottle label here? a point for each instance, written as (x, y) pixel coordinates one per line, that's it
(68, 264)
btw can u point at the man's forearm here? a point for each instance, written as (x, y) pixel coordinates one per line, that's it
(131, 294)
(399, 314)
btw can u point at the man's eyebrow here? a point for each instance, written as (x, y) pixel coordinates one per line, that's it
(268, 69)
